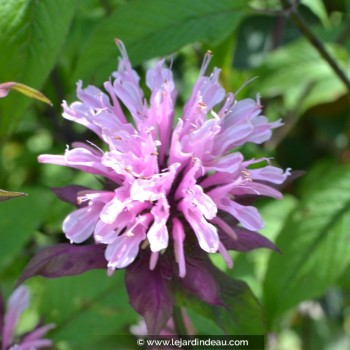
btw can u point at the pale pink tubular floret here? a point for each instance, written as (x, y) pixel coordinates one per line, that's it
(248, 216)
(162, 101)
(179, 237)
(18, 302)
(163, 178)
(223, 251)
(229, 163)
(124, 249)
(269, 173)
(206, 233)
(242, 123)
(127, 89)
(33, 340)
(79, 225)
(158, 232)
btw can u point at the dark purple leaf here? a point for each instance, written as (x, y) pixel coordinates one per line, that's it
(246, 240)
(69, 193)
(150, 293)
(239, 312)
(65, 260)
(200, 281)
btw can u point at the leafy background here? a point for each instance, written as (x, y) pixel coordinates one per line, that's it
(305, 291)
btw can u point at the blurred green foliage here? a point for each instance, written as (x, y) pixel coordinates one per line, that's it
(49, 45)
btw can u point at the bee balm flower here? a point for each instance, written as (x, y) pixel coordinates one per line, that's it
(18, 302)
(167, 184)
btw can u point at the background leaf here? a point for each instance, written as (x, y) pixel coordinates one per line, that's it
(92, 302)
(155, 28)
(36, 30)
(315, 246)
(18, 221)
(318, 8)
(304, 79)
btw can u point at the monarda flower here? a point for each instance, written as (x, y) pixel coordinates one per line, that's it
(18, 302)
(174, 183)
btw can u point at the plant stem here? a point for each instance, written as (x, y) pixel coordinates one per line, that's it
(301, 24)
(179, 321)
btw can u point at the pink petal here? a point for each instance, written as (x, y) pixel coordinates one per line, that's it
(178, 235)
(269, 173)
(79, 225)
(255, 188)
(225, 255)
(153, 260)
(38, 333)
(158, 232)
(113, 208)
(248, 216)
(161, 111)
(202, 201)
(228, 164)
(18, 302)
(125, 248)
(35, 344)
(232, 136)
(206, 233)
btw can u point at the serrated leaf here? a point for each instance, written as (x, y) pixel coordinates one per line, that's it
(298, 73)
(31, 36)
(162, 27)
(315, 246)
(7, 195)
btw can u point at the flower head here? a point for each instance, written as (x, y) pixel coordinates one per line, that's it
(18, 302)
(166, 184)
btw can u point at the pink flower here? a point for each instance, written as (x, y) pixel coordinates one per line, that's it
(18, 302)
(168, 183)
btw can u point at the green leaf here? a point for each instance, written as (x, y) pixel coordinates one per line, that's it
(31, 36)
(314, 243)
(299, 74)
(241, 314)
(24, 89)
(6, 195)
(19, 220)
(93, 302)
(156, 28)
(319, 9)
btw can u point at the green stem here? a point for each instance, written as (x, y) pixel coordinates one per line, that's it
(299, 21)
(180, 327)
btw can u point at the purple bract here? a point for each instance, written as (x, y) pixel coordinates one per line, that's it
(169, 182)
